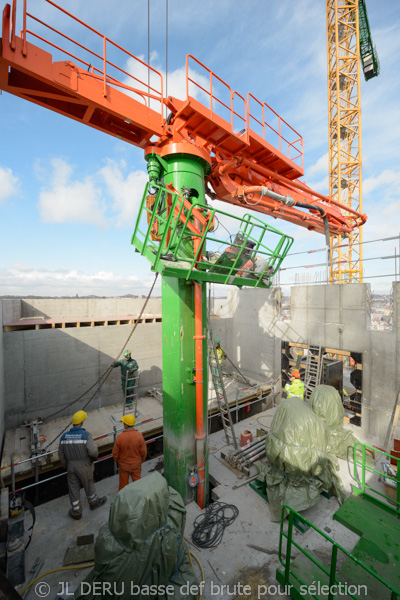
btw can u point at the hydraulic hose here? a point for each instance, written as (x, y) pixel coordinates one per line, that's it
(288, 201)
(86, 566)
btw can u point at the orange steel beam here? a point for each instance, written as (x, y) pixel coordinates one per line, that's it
(266, 152)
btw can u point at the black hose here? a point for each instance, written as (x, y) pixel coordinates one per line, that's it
(325, 219)
(209, 527)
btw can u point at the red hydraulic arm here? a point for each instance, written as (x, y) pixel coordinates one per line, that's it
(255, 157)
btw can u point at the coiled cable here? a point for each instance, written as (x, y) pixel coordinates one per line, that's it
(209, 527)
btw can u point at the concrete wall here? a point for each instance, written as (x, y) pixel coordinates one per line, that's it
(250, 317)
(76, 308)
(331, 316)
(49, 368)
(46, 369)
(2, 393)
(11, 309)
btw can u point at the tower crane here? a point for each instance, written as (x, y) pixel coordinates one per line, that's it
(349, 41)
(192, 152)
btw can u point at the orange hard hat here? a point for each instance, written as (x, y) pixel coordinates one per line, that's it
(295, 374)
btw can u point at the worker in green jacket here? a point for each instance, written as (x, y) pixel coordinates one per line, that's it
(295, 387)
(129, 368)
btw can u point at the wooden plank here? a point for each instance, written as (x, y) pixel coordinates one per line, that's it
(296, 345)
(336, 351)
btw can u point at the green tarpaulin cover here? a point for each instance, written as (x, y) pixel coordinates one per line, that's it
(326, 402)
(300, 464)
(142, 546)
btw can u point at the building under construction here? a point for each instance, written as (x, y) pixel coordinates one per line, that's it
(269, 495)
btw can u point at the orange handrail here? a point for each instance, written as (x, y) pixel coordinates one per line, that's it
(281, 138)
(232, 93)
(106, 77)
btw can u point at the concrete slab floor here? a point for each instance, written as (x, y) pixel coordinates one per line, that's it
(233, 563)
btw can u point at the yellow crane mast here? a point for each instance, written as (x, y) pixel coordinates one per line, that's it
(348, 40)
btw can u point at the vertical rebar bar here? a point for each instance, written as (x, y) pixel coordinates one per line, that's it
(148, 51)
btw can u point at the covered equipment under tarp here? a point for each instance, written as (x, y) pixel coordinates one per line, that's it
(326, 402)
(300, 466)
(142, 545)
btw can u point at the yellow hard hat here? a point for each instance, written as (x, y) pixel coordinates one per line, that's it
(128, 420)
(78, 417)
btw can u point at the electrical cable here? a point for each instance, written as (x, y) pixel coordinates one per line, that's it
(54, 571)
(148, 50)
(166, 48)
(203, 578)
(230, 235)
(209, 527)
(104, 376)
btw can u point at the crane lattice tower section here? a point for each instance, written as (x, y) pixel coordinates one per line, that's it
(345, 184)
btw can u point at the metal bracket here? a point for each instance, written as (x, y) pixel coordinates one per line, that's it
(190, 370)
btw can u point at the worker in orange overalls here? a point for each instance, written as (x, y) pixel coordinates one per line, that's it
(129, 452)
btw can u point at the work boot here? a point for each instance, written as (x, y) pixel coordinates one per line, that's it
(98, 502)
(75, 514)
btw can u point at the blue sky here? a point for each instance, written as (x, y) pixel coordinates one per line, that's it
(69, 194)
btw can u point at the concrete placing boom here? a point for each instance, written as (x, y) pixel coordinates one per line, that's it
(104, 96)
(250, 158)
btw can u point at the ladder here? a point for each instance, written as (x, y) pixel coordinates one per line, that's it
(131, 392)
(220, 392)
(313, 373)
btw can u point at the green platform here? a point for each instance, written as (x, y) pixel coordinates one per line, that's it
(379, 545)
(371, 570)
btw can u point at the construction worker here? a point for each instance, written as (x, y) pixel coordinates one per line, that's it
(295, 387)
(221, 354)
(129, 369)
(76, 452)
(129, 452)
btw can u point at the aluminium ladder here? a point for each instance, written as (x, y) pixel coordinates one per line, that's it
(220, 392)
(131, 392)
(313, 372)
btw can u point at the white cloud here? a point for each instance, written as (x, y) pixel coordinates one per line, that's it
(388, 180)
(8, 183)
(110, 196)
(71, 201)
(23, 268)
(321, 167)
(126, 192)
(20, 280)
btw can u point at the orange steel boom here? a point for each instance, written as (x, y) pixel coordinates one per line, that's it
(249, 147)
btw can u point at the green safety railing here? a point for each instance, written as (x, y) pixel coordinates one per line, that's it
(180, 239)
(289, 577)
(392, 482)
